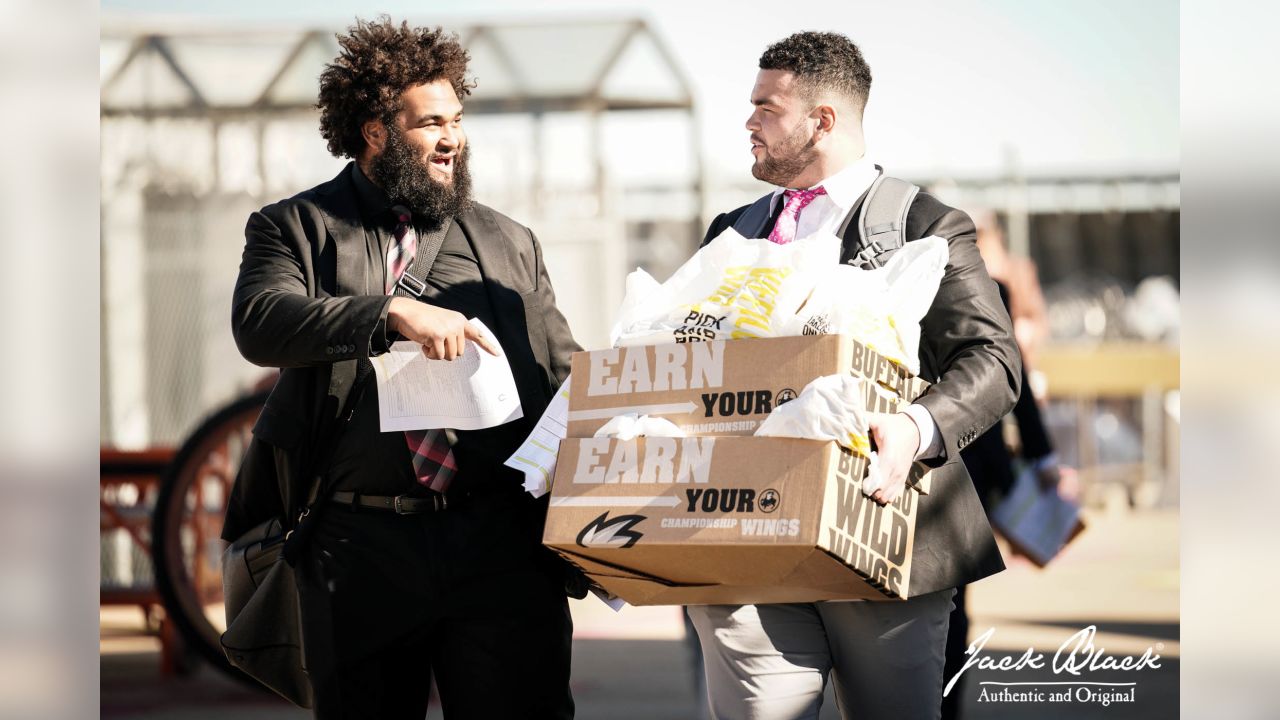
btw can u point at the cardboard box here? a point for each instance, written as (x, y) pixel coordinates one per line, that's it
(725, 387)
(697, 520)
(722, 387)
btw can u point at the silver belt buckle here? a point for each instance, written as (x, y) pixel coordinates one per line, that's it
(399, 507)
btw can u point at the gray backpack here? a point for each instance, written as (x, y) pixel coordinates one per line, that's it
(882, 220)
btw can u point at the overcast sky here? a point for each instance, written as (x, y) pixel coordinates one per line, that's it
(1087, 86)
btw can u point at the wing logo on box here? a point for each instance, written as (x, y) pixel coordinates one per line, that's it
(769, 500)
(615, 532)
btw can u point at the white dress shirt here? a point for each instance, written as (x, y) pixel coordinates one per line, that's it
(825, 213)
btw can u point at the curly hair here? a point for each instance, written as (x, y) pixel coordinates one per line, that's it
(822, 62)
(378, 62)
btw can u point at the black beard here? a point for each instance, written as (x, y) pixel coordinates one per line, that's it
(795, 153)
(407, 180)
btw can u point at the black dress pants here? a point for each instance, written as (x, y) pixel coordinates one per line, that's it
(466, 596)
(957, 645)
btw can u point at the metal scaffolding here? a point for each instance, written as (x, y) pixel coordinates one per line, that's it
(201, 127)
(590, 67)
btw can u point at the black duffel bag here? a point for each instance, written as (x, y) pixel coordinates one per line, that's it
(264, 622)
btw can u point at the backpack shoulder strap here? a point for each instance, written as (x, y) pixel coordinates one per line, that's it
(882, 221)
(412, 282)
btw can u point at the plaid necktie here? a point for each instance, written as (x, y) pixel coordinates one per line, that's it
(784, 231)
(433, 462)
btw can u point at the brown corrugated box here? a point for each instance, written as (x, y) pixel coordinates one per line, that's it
(722, 387)
(635, 515)
(660, 521)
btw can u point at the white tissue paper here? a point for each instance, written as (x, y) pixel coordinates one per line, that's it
(630, 426)
(831, 407)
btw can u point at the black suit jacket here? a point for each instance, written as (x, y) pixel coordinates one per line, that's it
(968, 352)
(303, 303)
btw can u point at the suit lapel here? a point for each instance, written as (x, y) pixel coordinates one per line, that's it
(494, 255)
(352, 245)
(338, 206)
(523, 337)
(756, 221)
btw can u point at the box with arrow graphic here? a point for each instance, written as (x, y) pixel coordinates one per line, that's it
(722, 387)
(659, 521)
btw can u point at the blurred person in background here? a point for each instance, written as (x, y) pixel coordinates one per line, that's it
(426, 562)
(988, 459)
(886, 658)
(1021, 283)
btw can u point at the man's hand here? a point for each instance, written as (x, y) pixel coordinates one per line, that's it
(1048, 476)
(897, 441)
(443, 334)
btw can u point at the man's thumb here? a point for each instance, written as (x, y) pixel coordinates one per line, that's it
(875, 421)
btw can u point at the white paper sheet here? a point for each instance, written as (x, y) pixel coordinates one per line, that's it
(473, 392)
(615, 603)
(536, 457)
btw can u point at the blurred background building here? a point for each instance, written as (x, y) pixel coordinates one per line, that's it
(618, 137)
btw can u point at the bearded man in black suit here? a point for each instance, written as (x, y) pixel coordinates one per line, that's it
(415, 572)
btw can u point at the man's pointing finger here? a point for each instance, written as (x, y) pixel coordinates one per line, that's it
(474, 333)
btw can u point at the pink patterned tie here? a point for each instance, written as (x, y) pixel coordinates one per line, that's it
(403, 250)
(433, 462)
(784, 231)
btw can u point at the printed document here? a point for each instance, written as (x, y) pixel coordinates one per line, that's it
(472, 392)
(536, 458)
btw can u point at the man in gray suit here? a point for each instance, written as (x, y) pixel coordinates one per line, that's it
(426, 560)
(886, 658)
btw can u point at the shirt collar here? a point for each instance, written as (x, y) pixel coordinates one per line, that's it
(844, 188)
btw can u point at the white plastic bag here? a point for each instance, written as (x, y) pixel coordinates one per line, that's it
(881, 308)
(750, 288)
(831, 407)
(733, 288)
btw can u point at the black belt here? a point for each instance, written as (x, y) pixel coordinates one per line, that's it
(398, 504)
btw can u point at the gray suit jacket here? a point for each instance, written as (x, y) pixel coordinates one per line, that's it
(303, 303)
(968, 352)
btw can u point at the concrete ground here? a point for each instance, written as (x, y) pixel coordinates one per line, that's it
(1120, 576)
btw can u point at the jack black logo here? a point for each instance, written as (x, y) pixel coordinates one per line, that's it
(784, 395)
(769, 500)
(603, 532)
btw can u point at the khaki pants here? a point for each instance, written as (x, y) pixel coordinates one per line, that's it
(771, 662)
